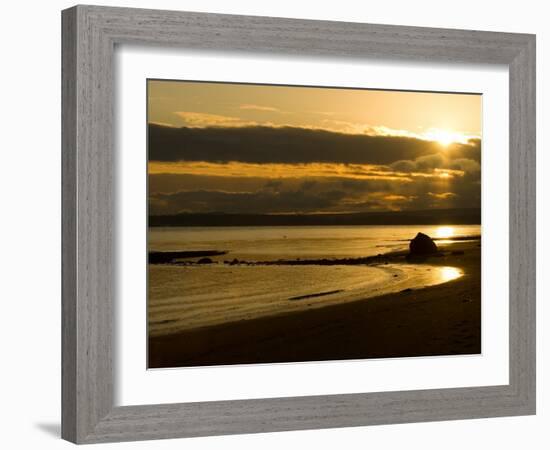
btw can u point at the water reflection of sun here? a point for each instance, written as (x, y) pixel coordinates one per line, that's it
(444, 232)
(449, 273)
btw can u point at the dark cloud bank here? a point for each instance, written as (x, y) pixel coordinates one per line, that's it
(290, 145)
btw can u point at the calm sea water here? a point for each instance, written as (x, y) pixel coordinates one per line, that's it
(185, 297)
(268, 243)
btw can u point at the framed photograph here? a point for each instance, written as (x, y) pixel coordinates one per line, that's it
(278, 224)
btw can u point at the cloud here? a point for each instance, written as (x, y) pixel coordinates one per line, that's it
(420, 164)
(173, 193)
(230, 140)
(432, 134)
(344, 126)
(466, 165)
(260, 202)
(437, 162)
(296, 170)
(259, 108)
(398, 198)
(274, 185)
(205, 120)
(442, 195)
(236, 192)
(278, 170)
(404, 166)
(164, 183)
(163, 124)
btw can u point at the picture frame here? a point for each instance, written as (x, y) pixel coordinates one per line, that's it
(90, 34)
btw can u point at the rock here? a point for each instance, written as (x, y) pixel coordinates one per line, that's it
(422, 245)
(204, 261)
(235, 261)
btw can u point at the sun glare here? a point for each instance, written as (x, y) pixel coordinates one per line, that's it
(444, 232)
(444, 137)
(449, 273)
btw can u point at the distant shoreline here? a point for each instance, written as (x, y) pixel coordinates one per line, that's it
(423, 217)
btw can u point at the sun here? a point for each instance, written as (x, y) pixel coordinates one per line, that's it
(443, 137)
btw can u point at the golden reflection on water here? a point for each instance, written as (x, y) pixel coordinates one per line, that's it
(449, 273)
(444, 232)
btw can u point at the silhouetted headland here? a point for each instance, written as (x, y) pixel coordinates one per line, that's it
(173, 257)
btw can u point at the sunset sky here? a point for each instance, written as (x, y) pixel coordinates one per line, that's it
(237, 148)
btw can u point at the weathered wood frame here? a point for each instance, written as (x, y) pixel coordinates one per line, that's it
(89, 36)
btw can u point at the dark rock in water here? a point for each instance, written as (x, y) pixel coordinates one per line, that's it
(235, 261)
(421, 245)
(204, 261)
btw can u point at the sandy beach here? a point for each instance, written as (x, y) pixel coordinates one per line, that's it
(444, 319)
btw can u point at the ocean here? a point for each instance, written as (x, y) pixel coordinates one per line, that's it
(192, 296)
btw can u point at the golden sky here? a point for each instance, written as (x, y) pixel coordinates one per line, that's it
(345, 110)
(241, 148)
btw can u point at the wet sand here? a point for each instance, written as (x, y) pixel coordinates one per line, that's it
(439, 320)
